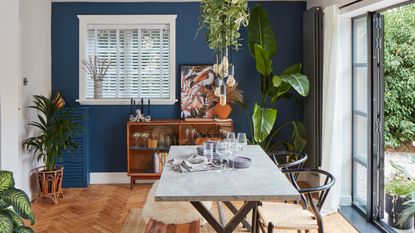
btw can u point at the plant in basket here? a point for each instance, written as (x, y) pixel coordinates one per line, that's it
(56, 129)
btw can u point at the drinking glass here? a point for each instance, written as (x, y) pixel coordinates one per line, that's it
(230, 137)
(241, 141)
(221, 151)
(208, 150)
(231, 144)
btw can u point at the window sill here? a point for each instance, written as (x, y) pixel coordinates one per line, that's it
(124, 102)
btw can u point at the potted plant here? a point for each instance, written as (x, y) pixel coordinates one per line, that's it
(223, 19)
(55, 134)
(14, 205)
(274, 87)
(398, 192)
(233, 95)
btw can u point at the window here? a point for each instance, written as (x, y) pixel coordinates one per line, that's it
(141, 49)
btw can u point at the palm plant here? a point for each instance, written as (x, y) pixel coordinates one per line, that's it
(10, 218)
(56, 130)
(263, 47)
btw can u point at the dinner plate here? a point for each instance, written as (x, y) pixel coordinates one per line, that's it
(240, 162)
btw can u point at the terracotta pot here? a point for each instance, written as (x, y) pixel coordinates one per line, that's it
(49, 183)
(222, 111)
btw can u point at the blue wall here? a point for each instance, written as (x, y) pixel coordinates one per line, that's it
(108, 123)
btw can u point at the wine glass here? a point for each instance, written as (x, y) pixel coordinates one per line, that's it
(208, 150)
(231, 144)
(221, 151)
(241, 141)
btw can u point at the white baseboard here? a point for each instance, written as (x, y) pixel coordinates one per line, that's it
(345, 199)
(113, 178)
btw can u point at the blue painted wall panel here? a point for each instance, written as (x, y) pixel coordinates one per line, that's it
(108, 123)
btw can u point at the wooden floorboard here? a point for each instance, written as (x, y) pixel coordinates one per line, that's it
(103, 209)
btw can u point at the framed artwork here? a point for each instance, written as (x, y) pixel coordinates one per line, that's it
(196, 82)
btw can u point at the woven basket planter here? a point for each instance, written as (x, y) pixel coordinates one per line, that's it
(49, 183)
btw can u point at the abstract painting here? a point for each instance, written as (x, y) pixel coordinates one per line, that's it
(196, 81)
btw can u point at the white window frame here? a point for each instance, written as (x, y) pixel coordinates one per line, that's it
(85, 20)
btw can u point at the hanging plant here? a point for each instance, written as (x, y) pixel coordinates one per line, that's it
(223, 19)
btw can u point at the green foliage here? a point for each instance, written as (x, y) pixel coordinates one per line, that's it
(223, 19)
(10, 218)
(263, 46)
(400, 186)
(56, 130)
(399, 75)
(260, 32)
(263, 120)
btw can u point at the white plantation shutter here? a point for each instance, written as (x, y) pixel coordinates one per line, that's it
(140, 55)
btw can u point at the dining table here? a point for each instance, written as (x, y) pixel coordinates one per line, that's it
(261, 181)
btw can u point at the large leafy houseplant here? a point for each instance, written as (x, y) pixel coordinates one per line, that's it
(56, 130)
(10, 218)
(263, 46)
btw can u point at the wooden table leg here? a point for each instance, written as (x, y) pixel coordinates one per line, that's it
(233, 209)
(232, 224)
(220, 213)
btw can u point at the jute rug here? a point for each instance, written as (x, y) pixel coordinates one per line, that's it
(334, 223)
(134, 222)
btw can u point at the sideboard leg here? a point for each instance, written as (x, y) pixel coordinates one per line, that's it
(131, 182)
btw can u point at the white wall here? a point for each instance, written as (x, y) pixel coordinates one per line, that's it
(9, 89)
(25, 52)
(36, 67)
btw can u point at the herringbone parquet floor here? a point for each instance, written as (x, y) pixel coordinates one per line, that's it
(103, 209)
(99, 208)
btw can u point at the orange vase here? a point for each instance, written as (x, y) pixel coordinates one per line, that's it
(222, 111)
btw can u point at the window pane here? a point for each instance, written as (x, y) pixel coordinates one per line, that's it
(360, 186)
(360, 40)
(360, 111)
(360, 138)
(140, 60)
(360, 89)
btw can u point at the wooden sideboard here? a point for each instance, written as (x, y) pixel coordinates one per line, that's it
(146, 140)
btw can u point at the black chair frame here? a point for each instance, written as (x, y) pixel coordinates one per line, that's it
(300, 158)
(307, 195)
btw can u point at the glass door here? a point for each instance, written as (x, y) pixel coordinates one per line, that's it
(361, 114)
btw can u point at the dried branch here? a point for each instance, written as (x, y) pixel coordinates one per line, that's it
(96, 68)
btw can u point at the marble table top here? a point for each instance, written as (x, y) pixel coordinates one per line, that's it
(261, 181)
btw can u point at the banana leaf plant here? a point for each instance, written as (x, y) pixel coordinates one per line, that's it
(56, 130)
(14, 205)
(274, 87)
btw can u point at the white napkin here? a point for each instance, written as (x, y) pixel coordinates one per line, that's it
(194, 163)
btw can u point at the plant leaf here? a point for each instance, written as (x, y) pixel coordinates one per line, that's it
(299, 136)
(276, 81)
(400, 168)
(23, 229)
(17, 221)
(263, 63)
(20, 203)
(6, 180)
(294, 69)
(3, 204)
(260, 32)
(298, 81)
(263, 121)
(6, 224)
